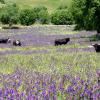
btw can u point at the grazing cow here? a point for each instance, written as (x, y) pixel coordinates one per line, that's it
(5, 40)
(17, 43)
(97, 47)
(61, 41)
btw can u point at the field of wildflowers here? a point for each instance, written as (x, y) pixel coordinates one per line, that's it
(41, 71)
(53, 76)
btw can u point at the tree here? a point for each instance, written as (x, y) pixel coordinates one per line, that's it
(97, 18)
(43, 17)
(77, 12)
(86, 14)
(42, 14)
(10, 15)
(2, 1)
(27, 17)
(61, 17)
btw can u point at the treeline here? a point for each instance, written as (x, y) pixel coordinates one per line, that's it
(11, 14)
(84, 13)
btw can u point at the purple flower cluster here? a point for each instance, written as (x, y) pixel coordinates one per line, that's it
(27, 85)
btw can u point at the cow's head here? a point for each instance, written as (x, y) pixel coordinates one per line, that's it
(9, 40)
(95, 45)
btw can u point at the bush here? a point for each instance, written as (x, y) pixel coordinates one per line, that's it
(43, 17)
(61, 17)
(27, 17)
(42, 14)
(5, 18)
(10, 15)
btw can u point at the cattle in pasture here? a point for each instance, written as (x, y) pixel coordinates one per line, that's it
(17, 43)
(61, 41)
(97, 47)
(8, 40)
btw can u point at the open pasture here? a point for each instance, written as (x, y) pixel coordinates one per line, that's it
(38, 70)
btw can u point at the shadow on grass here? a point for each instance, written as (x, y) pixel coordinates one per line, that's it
(13, 27)
(94, 38)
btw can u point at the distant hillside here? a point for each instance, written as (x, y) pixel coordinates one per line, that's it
(50, 4)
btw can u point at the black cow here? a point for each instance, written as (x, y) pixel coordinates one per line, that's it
(17, 43)
(97, 47)
(8, 40)
(61, 41)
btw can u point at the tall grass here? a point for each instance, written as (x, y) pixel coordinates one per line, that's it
(50, 4)
(84, 64)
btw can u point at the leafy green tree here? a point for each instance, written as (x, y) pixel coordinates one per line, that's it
(86, 14)
(2, 1)
(97, 17)
(61, 17)
(42, 14)
(77, 12)
(27, 17)
(10, 15)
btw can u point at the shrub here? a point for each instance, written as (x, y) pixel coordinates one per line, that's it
(61, 17)
(5, 18)
(43, 17)
(27, 17)
(42, 14)
(10, 15)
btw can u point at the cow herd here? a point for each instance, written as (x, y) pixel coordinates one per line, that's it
(5, 40)
(56, 42)
(66, 40)
(8, 40)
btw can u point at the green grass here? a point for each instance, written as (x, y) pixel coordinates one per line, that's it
(37, 48)
(4, 49)
(54, 29)
(45, 29)
(94, 38)
(50, 4)
(58, 63)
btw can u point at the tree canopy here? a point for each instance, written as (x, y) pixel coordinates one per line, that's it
(27, 17)
(86, 14)
(2, 1)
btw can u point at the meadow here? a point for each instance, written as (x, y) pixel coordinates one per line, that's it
(40, 71)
